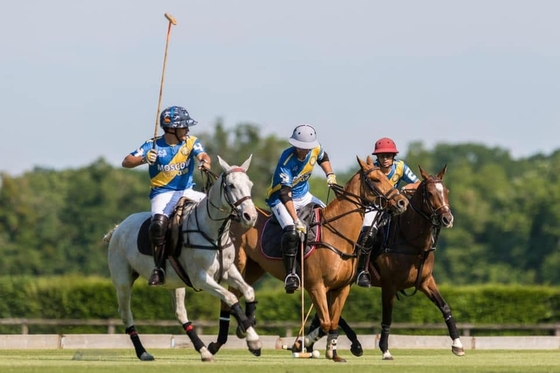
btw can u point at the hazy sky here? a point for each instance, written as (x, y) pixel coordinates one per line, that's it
(80, 80)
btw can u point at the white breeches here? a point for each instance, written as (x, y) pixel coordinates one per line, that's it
(164, 203)
(282, 214)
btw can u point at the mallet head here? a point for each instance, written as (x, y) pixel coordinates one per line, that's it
(170, 18)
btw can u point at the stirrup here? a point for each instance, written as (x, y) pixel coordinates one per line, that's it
(291, 283)
(364, 279)
(157, 278)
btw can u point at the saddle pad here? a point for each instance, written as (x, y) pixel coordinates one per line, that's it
(143, 241)
(271, 237)
(173, 238)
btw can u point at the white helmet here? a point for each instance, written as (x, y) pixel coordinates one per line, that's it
(304, 137)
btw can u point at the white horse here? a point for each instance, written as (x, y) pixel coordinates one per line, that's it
(206, 256)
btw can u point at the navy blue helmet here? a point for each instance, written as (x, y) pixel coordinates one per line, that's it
(176, 117)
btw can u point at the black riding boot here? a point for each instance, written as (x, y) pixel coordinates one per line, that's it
(366, 241)
(157, 230)
(289, 247)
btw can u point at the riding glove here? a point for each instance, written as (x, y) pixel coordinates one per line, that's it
(300, 227)
(203, 165)
(150, 157)
(331, 178)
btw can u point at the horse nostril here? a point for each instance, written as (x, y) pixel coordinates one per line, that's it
(402, 203)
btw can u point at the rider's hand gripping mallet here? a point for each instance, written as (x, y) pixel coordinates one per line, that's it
(172, 21)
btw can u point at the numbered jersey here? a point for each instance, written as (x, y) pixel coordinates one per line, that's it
(174, 167)
(400, 172)
(292, 172)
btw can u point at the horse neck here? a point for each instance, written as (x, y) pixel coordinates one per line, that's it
(213, 210)
(411, 225)
(344, 214)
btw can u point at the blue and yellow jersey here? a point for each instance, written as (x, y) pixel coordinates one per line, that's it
(294, 173)
(174, 167)
(400, 172)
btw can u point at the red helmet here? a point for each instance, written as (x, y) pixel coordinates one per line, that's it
(385, 145)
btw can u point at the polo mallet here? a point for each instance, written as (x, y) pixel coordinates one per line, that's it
(302, 353)
(172, 21)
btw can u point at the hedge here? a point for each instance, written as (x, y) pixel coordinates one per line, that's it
(95, 298)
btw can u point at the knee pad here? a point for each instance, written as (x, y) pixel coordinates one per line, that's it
(157, 229)
(290, 240)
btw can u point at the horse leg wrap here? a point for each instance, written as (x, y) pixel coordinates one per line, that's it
(452, 327)
(331, 344)
(313, 336)
(350, 333)
(197, 343)
(250, 311)
(131, 331)
(384, 338)
(242, 320)
(224, 327)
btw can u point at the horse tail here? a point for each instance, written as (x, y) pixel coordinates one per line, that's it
(109, 234)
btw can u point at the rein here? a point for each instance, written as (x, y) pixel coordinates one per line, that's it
(225, 192)
(362, 205)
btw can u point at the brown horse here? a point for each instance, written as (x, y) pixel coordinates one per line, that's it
(407, 256)
(330, 269)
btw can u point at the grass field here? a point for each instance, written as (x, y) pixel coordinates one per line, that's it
(277, 361)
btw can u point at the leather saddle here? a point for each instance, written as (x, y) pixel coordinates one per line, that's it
(271, 236)
(173, 236)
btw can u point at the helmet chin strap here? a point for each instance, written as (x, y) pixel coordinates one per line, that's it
(168, 130)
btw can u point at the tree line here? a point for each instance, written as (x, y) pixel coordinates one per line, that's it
(506, 210)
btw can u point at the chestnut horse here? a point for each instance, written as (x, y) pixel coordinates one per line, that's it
(407, 257)
(331, 267)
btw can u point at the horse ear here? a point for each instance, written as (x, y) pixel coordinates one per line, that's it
(442, 172)
(423, 173)
(246, 164)
(224, 164)
(361, 163)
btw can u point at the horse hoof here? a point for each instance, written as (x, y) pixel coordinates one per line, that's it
(338, 359)
(387, 356)
(146, 357)
(356, 349)
(459, 351)
(214, 347)
(296, 347)
(256, 352)
(205, 355)
(255, 347)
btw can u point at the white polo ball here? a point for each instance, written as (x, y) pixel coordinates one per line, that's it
(316, 353)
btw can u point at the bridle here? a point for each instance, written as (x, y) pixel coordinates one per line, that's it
(434, 212)
(226, 192)
(362, 203)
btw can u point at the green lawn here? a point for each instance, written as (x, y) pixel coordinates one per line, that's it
(277, 361)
